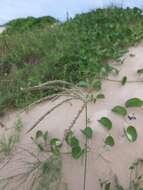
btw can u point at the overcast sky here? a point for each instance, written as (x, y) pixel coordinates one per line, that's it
(10, 9)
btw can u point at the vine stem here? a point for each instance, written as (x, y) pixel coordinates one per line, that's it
(119, 81)
(85, 163)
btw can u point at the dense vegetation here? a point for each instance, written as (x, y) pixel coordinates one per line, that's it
(76, 50)
(23, 24)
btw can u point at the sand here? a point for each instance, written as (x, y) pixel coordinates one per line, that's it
(102, 162)
(2, 29)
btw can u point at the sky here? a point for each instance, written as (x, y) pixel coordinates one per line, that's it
(11, 9)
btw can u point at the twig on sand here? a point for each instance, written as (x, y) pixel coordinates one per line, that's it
(48, 112)
(46, 84)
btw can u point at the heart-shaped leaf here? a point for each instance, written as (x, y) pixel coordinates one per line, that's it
(124, 80)
(106, 122)
(120, 110)
(88, 132)
(134, 102)
(76, 152)
(109, 141)
(131, 133)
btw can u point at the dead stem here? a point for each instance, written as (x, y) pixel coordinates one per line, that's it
(47, 113)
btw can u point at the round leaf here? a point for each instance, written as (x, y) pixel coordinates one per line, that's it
(97, 85)
(88, 132)
(74, 142)
(134, 102)
(106, 122)
(109, 141)
(131, 133)
(120, 110)
(76, 152)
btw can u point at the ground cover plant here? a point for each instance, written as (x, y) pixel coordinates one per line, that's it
(76, 50)
(44, 172)
(67, 60)
(23, 24)
(135, 182)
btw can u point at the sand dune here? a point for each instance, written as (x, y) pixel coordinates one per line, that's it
(101, 162)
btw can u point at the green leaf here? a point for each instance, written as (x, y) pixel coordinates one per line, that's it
(131, 133)
(76, 152)
(83, 84)
(124, 80)
(39, 134)
(45, 167)
(109, 141)
(107, 186)
(88, 132)
(68, 136)
(100, 96)
(45, 136)
(106, 122)
(96, 84)
(55, 145)
(140, 71)
(120, 110)
(40, 147)
(74, 142)
(55, 142)
(134, 102)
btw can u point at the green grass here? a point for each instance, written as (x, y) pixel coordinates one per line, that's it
(9, 141)
(135, 180)
(76, 50)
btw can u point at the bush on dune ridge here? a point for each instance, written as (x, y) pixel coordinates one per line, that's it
(22, 24)
(76, 50)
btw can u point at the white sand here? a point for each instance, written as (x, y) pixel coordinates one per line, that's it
(2, 29)
(115, 160)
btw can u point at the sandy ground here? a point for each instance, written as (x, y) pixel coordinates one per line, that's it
(102, 162)
(2, 29)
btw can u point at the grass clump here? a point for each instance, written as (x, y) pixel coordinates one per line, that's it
(43, 168)
(76, 50)
(9, 141)
(135, 181)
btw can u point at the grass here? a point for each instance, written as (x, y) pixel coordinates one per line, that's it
(42, 168)
(76, 50)
(135, 181)
(40, 175)
(9, 141)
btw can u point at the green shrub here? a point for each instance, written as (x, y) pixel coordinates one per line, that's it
(76, 50)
